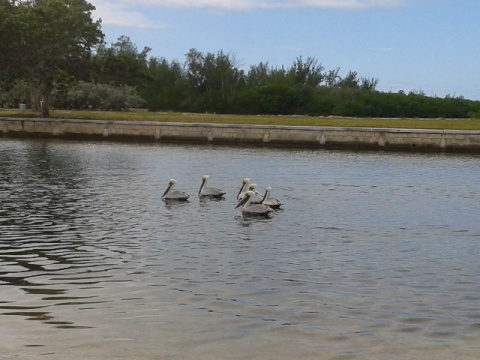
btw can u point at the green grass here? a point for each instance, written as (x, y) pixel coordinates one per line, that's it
(443, 124)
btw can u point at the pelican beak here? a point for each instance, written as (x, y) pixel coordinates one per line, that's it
(242, 202)
(244, 185)
(168, 189)
(204, 180)
(264, 196)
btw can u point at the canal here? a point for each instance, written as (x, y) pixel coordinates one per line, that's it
(373, 256)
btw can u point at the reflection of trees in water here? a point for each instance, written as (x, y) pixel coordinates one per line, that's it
(43, 199)
(48, 179)
(40, 236)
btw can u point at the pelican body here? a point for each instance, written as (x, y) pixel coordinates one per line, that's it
(171, 194)
(257, 197)
(208, 191)
(274, 203)
(249, 209)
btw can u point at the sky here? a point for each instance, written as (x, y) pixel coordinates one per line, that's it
(411, 45)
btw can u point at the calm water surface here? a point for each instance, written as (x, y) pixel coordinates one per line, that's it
(374, 256)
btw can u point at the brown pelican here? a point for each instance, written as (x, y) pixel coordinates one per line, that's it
(171, 194)
(253, 209)
(243, 189)
(257, 197)
(274, 203)
(208, 191)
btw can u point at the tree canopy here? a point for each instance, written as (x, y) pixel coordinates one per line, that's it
(10, 40)
(51, 38)
(52, 53)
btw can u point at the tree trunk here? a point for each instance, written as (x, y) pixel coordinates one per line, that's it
(40, 97)
(45, 104)
(35, 98)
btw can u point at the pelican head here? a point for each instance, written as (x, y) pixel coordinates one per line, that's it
(245, 181)
(204, 183)
(252, 187)
(268, 189)
(170, 186)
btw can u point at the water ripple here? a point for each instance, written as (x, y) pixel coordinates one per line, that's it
(369, 249)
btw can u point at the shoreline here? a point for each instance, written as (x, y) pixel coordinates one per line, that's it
(321, 137)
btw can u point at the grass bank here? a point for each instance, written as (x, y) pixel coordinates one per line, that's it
(442, 124)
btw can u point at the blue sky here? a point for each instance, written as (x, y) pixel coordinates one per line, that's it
(428, 45)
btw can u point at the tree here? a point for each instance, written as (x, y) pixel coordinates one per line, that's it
(168, 86)
(214, 77)
(222, 77)
(350, 81)
(9, 40)
(332, 78)
(308, 72)
(194, 64)
(258, 75)
(122, 63)
(57, 38)
(369, 84)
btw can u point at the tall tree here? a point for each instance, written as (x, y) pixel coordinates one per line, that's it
(9, 40)
(308, 72)
(168, 86)
(258, 75)
(215, 77)
(350, 80)
(332, 78)
(122, 63)
(58, 37)
(194, 66)
(368, 83)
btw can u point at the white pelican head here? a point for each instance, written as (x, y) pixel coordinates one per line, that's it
(170, 186)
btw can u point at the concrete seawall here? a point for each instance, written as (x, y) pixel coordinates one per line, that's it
(262, 135)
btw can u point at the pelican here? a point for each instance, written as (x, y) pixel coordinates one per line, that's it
(243, 189)
(257, 197)
(253, 209)
(274, 203)
(208, 191)
(171, 194)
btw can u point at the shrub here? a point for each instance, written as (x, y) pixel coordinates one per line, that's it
(88, 95)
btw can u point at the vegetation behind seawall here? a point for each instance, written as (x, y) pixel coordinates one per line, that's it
(53, 56)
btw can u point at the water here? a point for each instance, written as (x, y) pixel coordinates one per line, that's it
(374, 256)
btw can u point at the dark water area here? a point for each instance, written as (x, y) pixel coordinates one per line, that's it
(373, 256)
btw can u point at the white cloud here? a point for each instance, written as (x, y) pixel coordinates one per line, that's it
(343, 4)
(289, 48)
(272, 4)
(388, 49)
(123, 15)
(256, 4)
(127, 13)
